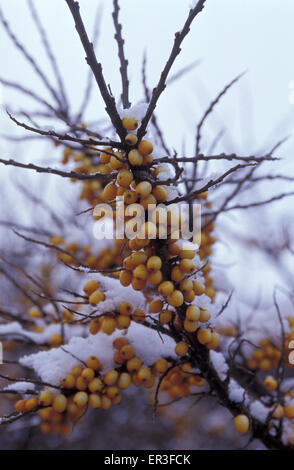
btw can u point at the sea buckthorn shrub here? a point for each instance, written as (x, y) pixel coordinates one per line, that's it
(141, 310)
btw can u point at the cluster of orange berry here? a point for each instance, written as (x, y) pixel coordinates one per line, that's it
(267, 355)
(85, 386)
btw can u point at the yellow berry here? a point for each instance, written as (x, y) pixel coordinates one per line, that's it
(125, 308)
(143, 189)
(160, 193)
(68, 381)
(76, 370)
(59, 403)
(181, 348)
(166, 288)
(127, 352)
(131, 139)
(135, 158)
(46, 397)
(118, 343)
(81, 383)
(161, 365)
(176, 298)
(125, 278)
(155, 278)
(140, 272)
(31, 403)
(55, 340)
(154, 264)
(145, 147)
(129, 123)
(193, 313)
(105, 402)
(80, 399)
(165, 317)
(289, 411)
(93, 363)
(134, 364)
(108, 325)
(94, 326)
(214, 342)
(94, 401)
(96, 385)
(88, 374)
(204, 315)
(190, 325)
(124, 380)
(139, 316)
(124, 178)
(155, 306)
(144, 373)
(111, 377)
(177, 274)
(204, 336)
(187, 266)
(109, 192)
(20, 406)
(96, 297)
(241, 423)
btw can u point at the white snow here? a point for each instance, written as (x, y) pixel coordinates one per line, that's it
(51, 366)
(20, 387)
(259, 411)
(137, 111)
(236, 392)
(219, 363)
(15, 330)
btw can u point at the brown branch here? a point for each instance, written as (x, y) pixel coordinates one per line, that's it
(96, 68)
(121, 54)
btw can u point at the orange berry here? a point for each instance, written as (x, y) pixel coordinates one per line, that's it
(241, 423)
(155, 306)
(204, 336)
(124, 380)
(124, 178)
(96, 297)
(95, 401)
(59, 403)
(111, 377)
(125, 308)
(20, 406)
(80, 399)
(131, 139)
(46, 397)
(129, 123)
(93, 363)
(125, 278)
(135, 158)
(193, 313)
(96, 385)
(144, 188)
(108, 325)
(181, 348)
(176, 298)
(145, 147)
(166, 288)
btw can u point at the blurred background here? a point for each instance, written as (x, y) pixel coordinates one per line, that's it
(228, 38)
